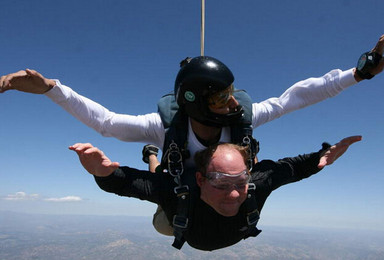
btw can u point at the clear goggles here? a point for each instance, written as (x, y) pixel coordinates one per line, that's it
(225, 181)
(220, 99)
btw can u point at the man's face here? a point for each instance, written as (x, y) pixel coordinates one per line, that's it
(223, 102)
(224, 201)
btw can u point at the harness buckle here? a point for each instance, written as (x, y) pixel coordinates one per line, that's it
(253, 149)
(180, 221)
(251, 186)
(181, 191)
(175, 160)
(253, 217)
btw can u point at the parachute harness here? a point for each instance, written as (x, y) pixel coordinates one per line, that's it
(180, 220)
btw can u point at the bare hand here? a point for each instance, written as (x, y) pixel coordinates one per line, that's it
(94, 160)
(337, 150)
(29, 81)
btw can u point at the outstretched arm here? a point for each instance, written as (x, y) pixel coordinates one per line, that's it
(334, 152)
(311, 91)
(124, 181)
(293, 169)
(94, 160)
(146, 128)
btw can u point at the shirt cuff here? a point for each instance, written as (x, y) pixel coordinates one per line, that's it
(59, 93)
(347, 79)
(53, 92)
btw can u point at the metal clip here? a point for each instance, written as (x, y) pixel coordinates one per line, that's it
(175, 160)
(181, 191)
(180, 222)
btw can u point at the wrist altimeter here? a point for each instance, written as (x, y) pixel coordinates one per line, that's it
(366, 62)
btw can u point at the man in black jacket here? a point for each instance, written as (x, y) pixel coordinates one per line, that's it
(219, 211)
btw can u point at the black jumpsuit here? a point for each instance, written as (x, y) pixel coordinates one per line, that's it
(209, 230)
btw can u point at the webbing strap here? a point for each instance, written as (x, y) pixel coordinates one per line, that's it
(180, 221)
(253, 149)
(253, 214)
(242, 135)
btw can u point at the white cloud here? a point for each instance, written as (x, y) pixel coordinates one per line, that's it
(65, 199)
(22, 196)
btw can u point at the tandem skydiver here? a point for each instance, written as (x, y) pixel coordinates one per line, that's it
(204, 90)
(204, 105)
(223, 201)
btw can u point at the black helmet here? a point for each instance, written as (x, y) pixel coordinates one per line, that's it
(199, 79)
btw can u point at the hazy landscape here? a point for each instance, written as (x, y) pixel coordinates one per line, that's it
(50, 237)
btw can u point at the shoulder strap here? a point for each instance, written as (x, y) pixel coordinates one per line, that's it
(175, 152)
(167, 108)
(246, 102)
(175, 122)
(241, 131)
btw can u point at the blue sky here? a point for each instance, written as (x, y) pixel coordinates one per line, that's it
(125, 55)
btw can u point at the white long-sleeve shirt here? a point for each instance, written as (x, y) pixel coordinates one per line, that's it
(148, 128)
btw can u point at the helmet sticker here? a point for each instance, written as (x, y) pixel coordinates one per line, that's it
(189, 96)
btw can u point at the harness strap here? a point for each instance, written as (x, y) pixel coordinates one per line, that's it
(180, 221)
(176, 137)
(253, 214)
(253, 149)
(242, 135)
